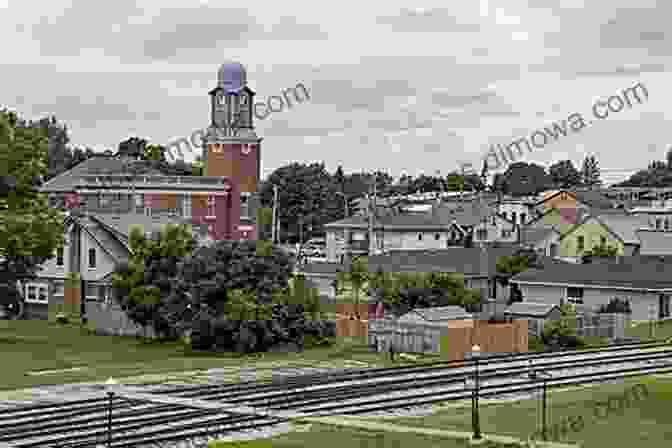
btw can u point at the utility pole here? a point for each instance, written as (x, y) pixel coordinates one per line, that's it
(275, 214)
(372, 211)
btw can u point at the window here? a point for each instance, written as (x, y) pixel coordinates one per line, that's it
(667, 224)
(92, 258)
(211, 207)
(419, 236)
(482, 234)
(522, 218)
(245, 205)
(186, 206)
(603, 241)
(579, 242)
(104, 200)
(513, 217)
(504, 215)
(36, 293)
(437, 237)
(658, 223)
(506, 233)
(59, 256)
(575, 295)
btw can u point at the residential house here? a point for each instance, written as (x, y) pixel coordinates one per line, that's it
(391, 232)
(648, 286)
(463, 217)
(626, 227)
(657, 216)
(586, 235)
(322, 276)
(544, 240)
(560, 219)
(519, 211)
(495, 228)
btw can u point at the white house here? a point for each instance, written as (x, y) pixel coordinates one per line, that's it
(647, 284)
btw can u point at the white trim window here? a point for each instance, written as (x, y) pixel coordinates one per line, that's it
(37, 293)
(59, 257)
(186, 206)
(212, 210)
(245, 205)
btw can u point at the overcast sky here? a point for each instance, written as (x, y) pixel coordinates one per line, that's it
(392, 88)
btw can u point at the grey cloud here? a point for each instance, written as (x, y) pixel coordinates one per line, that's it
(644, 28)
(431, 20)
(626, 71)
(289, 29)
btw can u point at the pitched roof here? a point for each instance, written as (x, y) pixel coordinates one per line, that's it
(654, 242)
(436, 314)
(464, 260)
(67, 180)
(585, 220)
(124, 223)
(536, 234)
(594, 199)
(531, 309)
(628, 274)
(107, 240)
(625, 226)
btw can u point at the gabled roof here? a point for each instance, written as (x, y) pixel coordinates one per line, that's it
(106, 239)
(628, 274)
(585, 220)
(570, 214)
(594, 199)
(554, 194)
(624, 225)
(122, 224)
(465, 214)
(67, 180)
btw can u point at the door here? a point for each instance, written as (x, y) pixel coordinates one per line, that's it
(554, 250)
(664, 306)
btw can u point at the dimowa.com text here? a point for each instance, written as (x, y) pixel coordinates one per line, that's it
(541, 137)
(174, 149)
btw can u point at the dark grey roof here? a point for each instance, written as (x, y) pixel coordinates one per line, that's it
(531, 309)
(463, 260)
(322, 268)
(437, 314)
(594, 199)
(628, 273)
(67, 180)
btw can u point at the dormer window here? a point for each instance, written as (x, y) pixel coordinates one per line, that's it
(92, 258)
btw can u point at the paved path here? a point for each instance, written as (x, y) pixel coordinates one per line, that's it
(355, 422)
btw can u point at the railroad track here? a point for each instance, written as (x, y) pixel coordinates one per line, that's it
(139, 422)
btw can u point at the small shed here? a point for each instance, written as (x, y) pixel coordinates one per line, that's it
(536, 313)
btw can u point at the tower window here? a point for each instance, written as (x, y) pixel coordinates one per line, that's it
(245, 205)
(211, 207)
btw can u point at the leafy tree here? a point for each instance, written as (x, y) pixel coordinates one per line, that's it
(563, 174)
(522, 179)
(562, 332)
(357, 277)
(265, 222)
(454, 182)
(509, 266)
(133, 147)
(590, 171)
(339, 178)
(144, 284)
(668, 158)
(30, 231)
(306, 198)
(154, 152)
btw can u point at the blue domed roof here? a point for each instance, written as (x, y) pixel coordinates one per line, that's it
(231, 76)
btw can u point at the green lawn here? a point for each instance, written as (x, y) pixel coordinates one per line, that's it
(662, 330)
(36, 345)
(645, 424)
(324, 436)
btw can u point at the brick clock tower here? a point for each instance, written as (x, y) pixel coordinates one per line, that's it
(232, 149)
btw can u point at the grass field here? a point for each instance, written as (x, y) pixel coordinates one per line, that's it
(32, 348)
(645, 424)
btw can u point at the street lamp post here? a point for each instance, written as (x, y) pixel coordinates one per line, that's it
(534, 375)
(110, 395)
(475, 421)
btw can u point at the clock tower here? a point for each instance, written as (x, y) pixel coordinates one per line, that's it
(231, 148)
